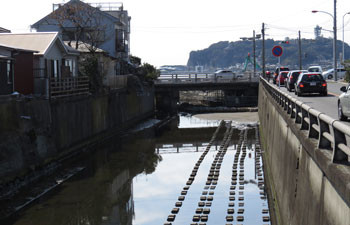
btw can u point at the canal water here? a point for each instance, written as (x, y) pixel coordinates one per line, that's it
(192, 171)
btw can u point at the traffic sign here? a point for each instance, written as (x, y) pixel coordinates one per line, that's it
(277, 51)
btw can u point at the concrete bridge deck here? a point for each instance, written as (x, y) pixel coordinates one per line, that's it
(237, 92)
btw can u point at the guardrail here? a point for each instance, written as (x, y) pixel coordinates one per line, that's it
(204, 78)
(330, 133)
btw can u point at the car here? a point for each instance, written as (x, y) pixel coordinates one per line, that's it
(280, 80)
(292, 77)
(344, 103)
(315, 69)
(329, 74)
(223, 74)
(310, 83)
(277, 72)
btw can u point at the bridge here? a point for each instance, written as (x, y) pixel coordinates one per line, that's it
(307, 155)
(241, 90)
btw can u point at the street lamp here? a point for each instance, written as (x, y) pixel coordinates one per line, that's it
(255, 36)
(334, 38)
(343, 37)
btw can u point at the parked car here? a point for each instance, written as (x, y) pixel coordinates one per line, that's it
(292, 77)
(344, 103)
(223, 74)
(329, 74)
(315, 69)
(277, 72)
(282, 77)
(310, 83)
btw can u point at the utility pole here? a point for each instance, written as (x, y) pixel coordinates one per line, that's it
(335, 41)
(263, 49)
(254, 52)
(300, 62)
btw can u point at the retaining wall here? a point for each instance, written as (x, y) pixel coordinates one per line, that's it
(308, 188)
(34, 132)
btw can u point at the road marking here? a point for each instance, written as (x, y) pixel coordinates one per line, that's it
(333, 94)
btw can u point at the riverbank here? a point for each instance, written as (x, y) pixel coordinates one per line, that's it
(36, 135)
(63, 170)
(243, 117)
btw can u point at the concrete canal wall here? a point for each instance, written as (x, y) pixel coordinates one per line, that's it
(308, 188)
(35, 132)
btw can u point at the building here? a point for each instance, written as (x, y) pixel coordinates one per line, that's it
(102, 25)
(52, 59)
(16, 70)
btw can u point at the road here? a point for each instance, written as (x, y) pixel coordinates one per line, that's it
(326, 104)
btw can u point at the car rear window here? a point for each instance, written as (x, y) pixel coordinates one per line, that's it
(281, 69)
(312, 77)
(314, 70)
(284, 75)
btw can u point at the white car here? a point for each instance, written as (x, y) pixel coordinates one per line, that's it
(329, 74)
(223, 74)
(315, 69)
(344, 103)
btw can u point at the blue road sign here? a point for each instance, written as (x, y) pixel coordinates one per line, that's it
(277, 51)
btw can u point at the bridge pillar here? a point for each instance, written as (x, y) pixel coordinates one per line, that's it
(242, 96)
(167, 101)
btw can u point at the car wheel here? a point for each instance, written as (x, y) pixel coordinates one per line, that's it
(340, 113)
(330, 76)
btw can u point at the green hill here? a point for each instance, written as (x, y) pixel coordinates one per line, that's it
(225, 54)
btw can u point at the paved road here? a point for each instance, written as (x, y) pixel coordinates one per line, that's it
(326, 104)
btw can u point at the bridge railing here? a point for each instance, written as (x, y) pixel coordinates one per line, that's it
(204, 78)
(331, 134)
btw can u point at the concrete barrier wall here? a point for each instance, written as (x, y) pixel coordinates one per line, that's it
(307, 187)
(35, 132)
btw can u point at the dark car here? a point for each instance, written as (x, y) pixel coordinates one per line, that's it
(277, 72)
(311, 83)
(292, 77)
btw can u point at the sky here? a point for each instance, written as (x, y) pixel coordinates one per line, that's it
(164, 32)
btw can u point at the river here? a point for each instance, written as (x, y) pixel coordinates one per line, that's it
(194, 170)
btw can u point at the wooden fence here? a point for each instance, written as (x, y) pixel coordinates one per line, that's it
(66, 87)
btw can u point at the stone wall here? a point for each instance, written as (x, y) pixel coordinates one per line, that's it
(34, 132)
(307, 187)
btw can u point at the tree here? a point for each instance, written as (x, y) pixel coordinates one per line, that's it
(79, 23)
(347, 68)
(148, 72)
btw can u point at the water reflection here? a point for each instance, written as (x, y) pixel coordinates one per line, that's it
(137, 181)
(103, 193)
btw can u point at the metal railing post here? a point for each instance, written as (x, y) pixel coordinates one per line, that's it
(297, 111)
(293, 109)
(324, 128)
(339, 138)
(304, 115)
(313, 133)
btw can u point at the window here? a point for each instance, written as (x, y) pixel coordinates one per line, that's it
(54, 68)
(9, 72)
(311, 77)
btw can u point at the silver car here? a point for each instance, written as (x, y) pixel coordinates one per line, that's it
(344, 103)
(329, 73)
